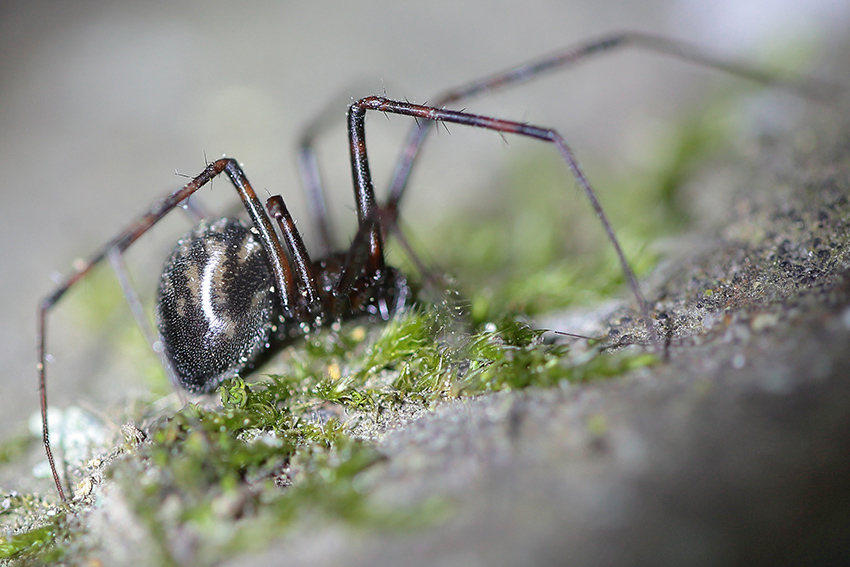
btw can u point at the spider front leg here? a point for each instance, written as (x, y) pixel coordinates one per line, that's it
(304, 270)
(282, 273)
(362, 176)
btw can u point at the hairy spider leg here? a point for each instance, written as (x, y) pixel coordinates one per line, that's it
(517, 75)
(281, 269)
(816, 90)
(311, 183)
(367, 205)
(558, 60)
(360, 165)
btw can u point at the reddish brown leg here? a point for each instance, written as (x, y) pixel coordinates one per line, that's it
(303, 267)
(363, 181)
(311, 182)
(281, 269)
(811, 89)
(364, 188)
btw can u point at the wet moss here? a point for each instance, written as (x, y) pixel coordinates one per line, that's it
(33, 530)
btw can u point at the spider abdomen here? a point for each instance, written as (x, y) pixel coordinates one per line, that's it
(216, 305)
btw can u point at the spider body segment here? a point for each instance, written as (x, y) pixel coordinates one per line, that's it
(215, 308)
(218, 310)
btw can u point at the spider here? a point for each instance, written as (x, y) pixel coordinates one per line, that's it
(233, 292)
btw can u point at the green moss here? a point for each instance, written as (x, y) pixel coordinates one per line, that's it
(32, 530)
(235, 476)
(38, 543)
(242, 473)
(279, 450)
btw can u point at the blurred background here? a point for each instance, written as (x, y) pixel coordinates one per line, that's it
(100, 104)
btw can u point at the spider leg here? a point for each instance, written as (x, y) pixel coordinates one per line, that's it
(429, 275)
(308, 167)
(116, 260)
(815, 90)
(361, 289)
(356, 259)
(368, 212)
(311, 182)
(303, 266)
(362, 177)
(194, 210)
(278, 260)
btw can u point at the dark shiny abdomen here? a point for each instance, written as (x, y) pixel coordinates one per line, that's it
(216, 311)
